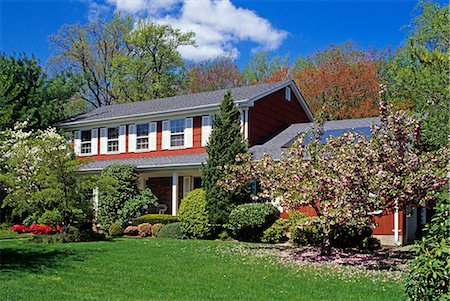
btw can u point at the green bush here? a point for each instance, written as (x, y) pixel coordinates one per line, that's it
(118, 183)
(155, 219)
(247, 222)
(172, 230)
(349, 236)
(429, 276)
(72, 236)
(115, 229)
(193, 215)
(137, 206)
(306, 231)
(277, 232)
(155, 229)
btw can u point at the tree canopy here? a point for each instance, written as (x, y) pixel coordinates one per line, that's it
(27, 93)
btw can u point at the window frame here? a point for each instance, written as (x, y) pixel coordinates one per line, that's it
(138, 137)
(86, 143)
(108, 140)
(177, 133)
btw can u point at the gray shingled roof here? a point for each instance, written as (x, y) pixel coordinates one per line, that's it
(149, 162)
(274, 146)
(173, 103)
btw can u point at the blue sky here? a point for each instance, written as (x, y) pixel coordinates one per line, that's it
(234, 28)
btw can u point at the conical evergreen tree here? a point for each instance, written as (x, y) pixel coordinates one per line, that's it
(224, 144)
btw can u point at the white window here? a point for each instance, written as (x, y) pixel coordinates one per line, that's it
(86, 142)
(287, 93)
(177, 132)
(142, 136)
(113, 139)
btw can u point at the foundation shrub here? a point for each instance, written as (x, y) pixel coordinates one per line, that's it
(193, 216)
(131, 231)
(155, 219)
(115, 229)
(145, 229)
(155, 229)
(277, 233)
(172, 230)
(247, 222)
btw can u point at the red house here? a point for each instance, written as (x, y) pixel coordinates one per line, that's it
(166, 138)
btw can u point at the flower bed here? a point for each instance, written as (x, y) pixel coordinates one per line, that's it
(36, 229)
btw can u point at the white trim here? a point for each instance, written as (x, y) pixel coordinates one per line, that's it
(174, 193)
(188, 132)
(165, 143)
(132, 138)
(94, 142)
(77, 143)
(122, 138)
(103, 141)
(152, 132)
(206, 129)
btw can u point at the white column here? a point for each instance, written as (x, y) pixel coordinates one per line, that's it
(174, 193)
(95, 200)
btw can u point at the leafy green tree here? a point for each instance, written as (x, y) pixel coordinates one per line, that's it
(41, 180)
(120, 183)
(153, 67)
(262, 66)
(417, 75)
(120, 62)
(28, 94)
(429, 276)
(224, 144)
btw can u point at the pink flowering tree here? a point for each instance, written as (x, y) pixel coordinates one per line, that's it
(350, 177)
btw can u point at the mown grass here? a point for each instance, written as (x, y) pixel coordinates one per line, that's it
(166, 269)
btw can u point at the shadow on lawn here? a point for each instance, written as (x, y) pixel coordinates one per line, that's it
(34, 261)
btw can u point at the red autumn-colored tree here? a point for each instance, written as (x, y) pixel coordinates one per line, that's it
(341, 81)
(210, 75)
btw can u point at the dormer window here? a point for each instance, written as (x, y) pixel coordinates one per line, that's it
(177, 132)
(142, 136)
(86, 142)
(287, 94)
(113, 139)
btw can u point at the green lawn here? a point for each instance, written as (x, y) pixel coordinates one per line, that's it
(165, 269)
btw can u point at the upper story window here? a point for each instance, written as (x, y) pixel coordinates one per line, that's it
(177, 132)
(113, 139)
(86, 142)
(287, 94)
(142, 136)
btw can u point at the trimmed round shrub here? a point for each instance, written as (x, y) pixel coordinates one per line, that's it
(155, 229)
(131, 231)
(145, 229)
(277, 232)
(193, 215)
(172, 230)
(247, 222)
(115, 229)
(305, 231)
(155, 219)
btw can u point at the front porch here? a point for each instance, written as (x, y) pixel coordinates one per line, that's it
(170, 186)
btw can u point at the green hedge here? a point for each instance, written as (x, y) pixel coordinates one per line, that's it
(155, 219)
(193, 215)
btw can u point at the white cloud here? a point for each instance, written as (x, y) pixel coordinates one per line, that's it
(219, 26)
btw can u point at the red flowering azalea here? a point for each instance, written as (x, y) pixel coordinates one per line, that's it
(19, 228)
(41, 229)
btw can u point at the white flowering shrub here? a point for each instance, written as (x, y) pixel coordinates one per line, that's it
(39, 174)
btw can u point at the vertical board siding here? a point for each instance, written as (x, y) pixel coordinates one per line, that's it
(272, 114)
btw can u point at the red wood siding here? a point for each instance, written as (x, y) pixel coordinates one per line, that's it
(385, 223)
(272, 114)
(196, 149)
